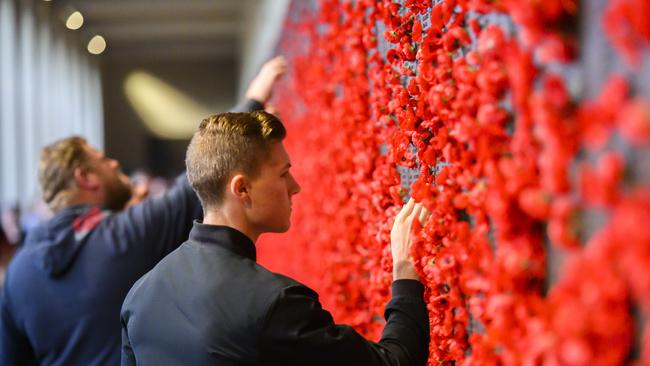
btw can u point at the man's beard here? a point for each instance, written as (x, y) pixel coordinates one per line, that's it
(118, 193)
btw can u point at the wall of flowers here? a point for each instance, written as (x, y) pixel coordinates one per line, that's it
(530, 149)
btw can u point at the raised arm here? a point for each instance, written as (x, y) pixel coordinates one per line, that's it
(261, 88)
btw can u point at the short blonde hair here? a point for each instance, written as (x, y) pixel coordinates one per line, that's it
(225, 143)
(56, 170)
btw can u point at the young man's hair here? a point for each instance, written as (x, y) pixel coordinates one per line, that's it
(226, 143)
(56, 170)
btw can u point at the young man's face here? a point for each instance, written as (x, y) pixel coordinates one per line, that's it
(115, 186)
(271, 193)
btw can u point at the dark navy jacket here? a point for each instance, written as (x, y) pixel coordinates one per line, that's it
(210, 303)
(63, 291)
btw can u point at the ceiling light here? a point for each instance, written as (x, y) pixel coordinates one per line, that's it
(75, 21)
(97, 45)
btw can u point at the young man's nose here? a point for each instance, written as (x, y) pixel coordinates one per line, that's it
(296, 186)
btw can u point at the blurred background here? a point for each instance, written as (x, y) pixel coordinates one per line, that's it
(132, 76)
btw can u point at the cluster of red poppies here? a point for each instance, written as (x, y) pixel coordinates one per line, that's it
(536, 251)
(627, 25)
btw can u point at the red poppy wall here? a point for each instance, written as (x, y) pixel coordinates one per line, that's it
(522, 125)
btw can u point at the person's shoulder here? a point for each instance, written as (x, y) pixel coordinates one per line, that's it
(23, 279)
(167, 267)
(278, 284)
(135, 289)
(24, 261)
(15, 270)
(277, 279)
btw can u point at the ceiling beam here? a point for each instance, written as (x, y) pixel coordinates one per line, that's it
(123, 9)
(152, 30)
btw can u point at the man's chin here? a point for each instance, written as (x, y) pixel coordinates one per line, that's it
(280, 229)
(285, 228)
(116, 205)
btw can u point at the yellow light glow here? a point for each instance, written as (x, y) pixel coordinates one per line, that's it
(75, 21)
(97, 45)
(166, 111)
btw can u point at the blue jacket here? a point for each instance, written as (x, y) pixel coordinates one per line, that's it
(63, 291)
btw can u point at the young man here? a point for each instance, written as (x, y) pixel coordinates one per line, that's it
(210, 303)
(63, 291)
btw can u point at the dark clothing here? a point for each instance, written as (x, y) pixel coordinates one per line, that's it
(210, 303)
(64, 289)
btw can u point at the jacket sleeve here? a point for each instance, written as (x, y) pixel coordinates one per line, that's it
(248, 105)
(15, 348)
(128, 358)
(298, 331)
(157, 226)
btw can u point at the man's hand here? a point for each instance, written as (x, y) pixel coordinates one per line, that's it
(401, 240)
(261, 87)
(140, 191)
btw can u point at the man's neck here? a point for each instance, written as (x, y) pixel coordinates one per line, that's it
(222, 218)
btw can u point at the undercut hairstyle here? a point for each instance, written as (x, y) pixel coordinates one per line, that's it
(56, 170)
(226, 143)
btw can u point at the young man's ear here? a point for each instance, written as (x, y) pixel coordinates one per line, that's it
(85, 179)
(239, 188)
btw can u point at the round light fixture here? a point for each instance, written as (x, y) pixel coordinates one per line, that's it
(97, 45)
(75, 21)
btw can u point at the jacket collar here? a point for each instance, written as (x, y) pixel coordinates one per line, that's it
(225, 237)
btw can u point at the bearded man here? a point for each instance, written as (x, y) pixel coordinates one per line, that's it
(63, 292)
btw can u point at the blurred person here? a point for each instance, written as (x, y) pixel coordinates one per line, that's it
(210, 303)
(12, 235)
(64, 289)
(6, 253)
(10, 222)
(3, 238)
